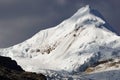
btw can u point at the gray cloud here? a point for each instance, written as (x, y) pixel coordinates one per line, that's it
(21, 19)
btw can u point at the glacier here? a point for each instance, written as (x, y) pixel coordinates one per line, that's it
(70, 47)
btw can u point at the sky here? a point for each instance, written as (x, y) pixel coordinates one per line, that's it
(21, 19)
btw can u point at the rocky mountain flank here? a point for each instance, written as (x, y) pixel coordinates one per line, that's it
(9, 70)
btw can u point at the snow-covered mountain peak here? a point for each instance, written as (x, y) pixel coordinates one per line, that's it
(84, 16)
(85, 11)
(81, 12)
(71, 46)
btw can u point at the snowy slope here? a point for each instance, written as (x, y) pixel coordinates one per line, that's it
(71, 46)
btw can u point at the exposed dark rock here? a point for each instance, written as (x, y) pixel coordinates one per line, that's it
(9, 70)
(8, 63)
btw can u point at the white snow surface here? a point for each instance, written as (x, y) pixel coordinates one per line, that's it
(70, 47)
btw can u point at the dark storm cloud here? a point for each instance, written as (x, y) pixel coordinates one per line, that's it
(20, 19)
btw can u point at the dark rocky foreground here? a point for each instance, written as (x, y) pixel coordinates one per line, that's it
(9, 70)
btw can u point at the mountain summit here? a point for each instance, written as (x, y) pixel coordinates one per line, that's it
(72, 46)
